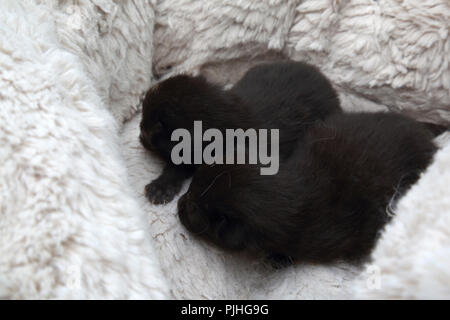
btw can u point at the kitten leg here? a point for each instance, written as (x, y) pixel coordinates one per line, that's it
(164, 188)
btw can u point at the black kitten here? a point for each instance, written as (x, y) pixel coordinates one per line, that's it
(328, 201)
(176, 103)
(289, 96)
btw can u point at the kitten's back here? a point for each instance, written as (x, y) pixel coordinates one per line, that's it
(289, 96)
(362, 163)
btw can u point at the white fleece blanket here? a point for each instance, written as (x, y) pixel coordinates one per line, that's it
(73, 219)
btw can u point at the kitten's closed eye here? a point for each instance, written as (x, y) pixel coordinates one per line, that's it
(151, 137)
(231, 234)
(157, 128)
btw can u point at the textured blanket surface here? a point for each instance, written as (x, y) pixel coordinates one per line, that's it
(73, 219)
(69, 225)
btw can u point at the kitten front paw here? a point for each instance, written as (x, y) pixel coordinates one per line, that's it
(159, 192)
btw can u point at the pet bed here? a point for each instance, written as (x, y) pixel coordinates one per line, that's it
(73, 219)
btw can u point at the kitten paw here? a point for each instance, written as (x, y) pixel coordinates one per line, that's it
(158, 192)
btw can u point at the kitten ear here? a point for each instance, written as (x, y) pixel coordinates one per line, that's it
(233, 235)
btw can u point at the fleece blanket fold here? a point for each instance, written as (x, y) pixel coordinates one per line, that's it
(73, 219)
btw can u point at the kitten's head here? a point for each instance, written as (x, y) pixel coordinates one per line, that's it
(171, 104)
(236, 208)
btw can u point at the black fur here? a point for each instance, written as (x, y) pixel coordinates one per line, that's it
(328, 201)
(290, 96)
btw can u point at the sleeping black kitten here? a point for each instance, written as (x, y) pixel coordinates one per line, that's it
(289, 96)
(329, 199)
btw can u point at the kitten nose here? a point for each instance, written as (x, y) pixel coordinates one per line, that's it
(146, 143)
(182, 204)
